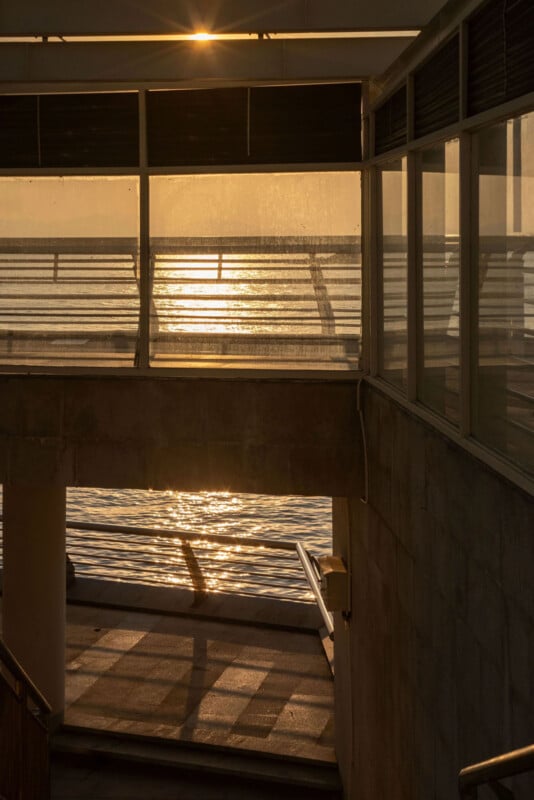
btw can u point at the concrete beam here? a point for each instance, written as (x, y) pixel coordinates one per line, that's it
(272, 436)
(131, 17)
(132, 64)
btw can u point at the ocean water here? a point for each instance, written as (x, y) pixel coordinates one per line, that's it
(204, 566)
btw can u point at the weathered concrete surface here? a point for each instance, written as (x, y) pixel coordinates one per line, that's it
(185, 679)
(268, 436)
(33, 586)
(441, 642)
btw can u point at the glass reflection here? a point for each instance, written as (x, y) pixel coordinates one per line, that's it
(69, 270)
(439, 176)
(504, 416)
(393, 266)
(259, 269)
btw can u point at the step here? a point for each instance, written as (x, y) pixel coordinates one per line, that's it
(209, 759)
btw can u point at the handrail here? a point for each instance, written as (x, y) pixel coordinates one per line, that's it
(242, 541)
(316, 589)
(170, 533)
(10, 661)
(505, 765)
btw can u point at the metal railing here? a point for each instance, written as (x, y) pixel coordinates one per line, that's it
(275, 568)
(24, 750)
(311, 573)
(198, 555)
(78, 301)
(494, 770)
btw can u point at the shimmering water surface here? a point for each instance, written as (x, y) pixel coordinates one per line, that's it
(205, 566)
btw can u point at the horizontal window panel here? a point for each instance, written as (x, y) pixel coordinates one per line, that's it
(437, 90)
(19, 141)
(197, 127)
(501, 66)
(261, 125)
(391, 122)
(296, 124)
(89, 130)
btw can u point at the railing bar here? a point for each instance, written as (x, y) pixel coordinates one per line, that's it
(11, 663)
(187, 580)
(231, 281)
(168, 533)
(202, 554)
(262, 568)
(203, 549)
(250, 579)
(240, 266)
(87, 298)
(254, 298)
(506, 765)
(312, 580)
(290, 298)
(20, 318)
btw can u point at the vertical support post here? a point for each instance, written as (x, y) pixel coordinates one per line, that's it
(377, 274)
(145, 277)
(414, 278)
(367, 327)
(468, 282)
(34, 585)
(464, 60)
(368, 255)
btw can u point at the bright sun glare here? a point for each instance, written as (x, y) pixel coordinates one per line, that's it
(202, 36)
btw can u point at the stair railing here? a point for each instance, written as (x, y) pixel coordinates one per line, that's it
(492, 771)
(24, 754)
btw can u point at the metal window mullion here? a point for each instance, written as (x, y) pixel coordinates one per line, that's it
(464, 61)
(410, 108)
(377, 277)
(145, 288)
(468, 280)
(366, 267)
(366, 135)
(415, 344)
(372, 219)
(368, 330)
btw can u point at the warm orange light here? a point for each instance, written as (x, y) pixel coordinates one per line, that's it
(202, 36)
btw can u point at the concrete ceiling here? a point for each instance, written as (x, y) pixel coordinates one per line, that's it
(162, 63)
(137, 17)
(53, 66)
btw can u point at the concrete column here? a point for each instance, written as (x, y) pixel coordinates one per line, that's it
(34, 585)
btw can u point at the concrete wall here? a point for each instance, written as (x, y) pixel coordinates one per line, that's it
(268, 436)
(441, 643)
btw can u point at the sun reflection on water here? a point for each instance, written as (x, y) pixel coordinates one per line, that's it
(196, 563)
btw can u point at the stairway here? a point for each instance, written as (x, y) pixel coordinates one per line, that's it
(95, 764)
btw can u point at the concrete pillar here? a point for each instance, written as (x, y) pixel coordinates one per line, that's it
(34, 585)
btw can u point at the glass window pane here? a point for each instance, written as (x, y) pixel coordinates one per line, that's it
(258, 270)
(393, 265)
(439, 173)
(69, 270)
(505, 380)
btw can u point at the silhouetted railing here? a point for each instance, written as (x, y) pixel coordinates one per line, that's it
(225, 563)
(494, 770)
(77, 301)
(24, 750)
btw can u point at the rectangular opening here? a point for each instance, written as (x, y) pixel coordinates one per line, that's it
(69, 270)
(258, 270)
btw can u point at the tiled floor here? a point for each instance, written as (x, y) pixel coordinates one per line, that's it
(199, 681)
